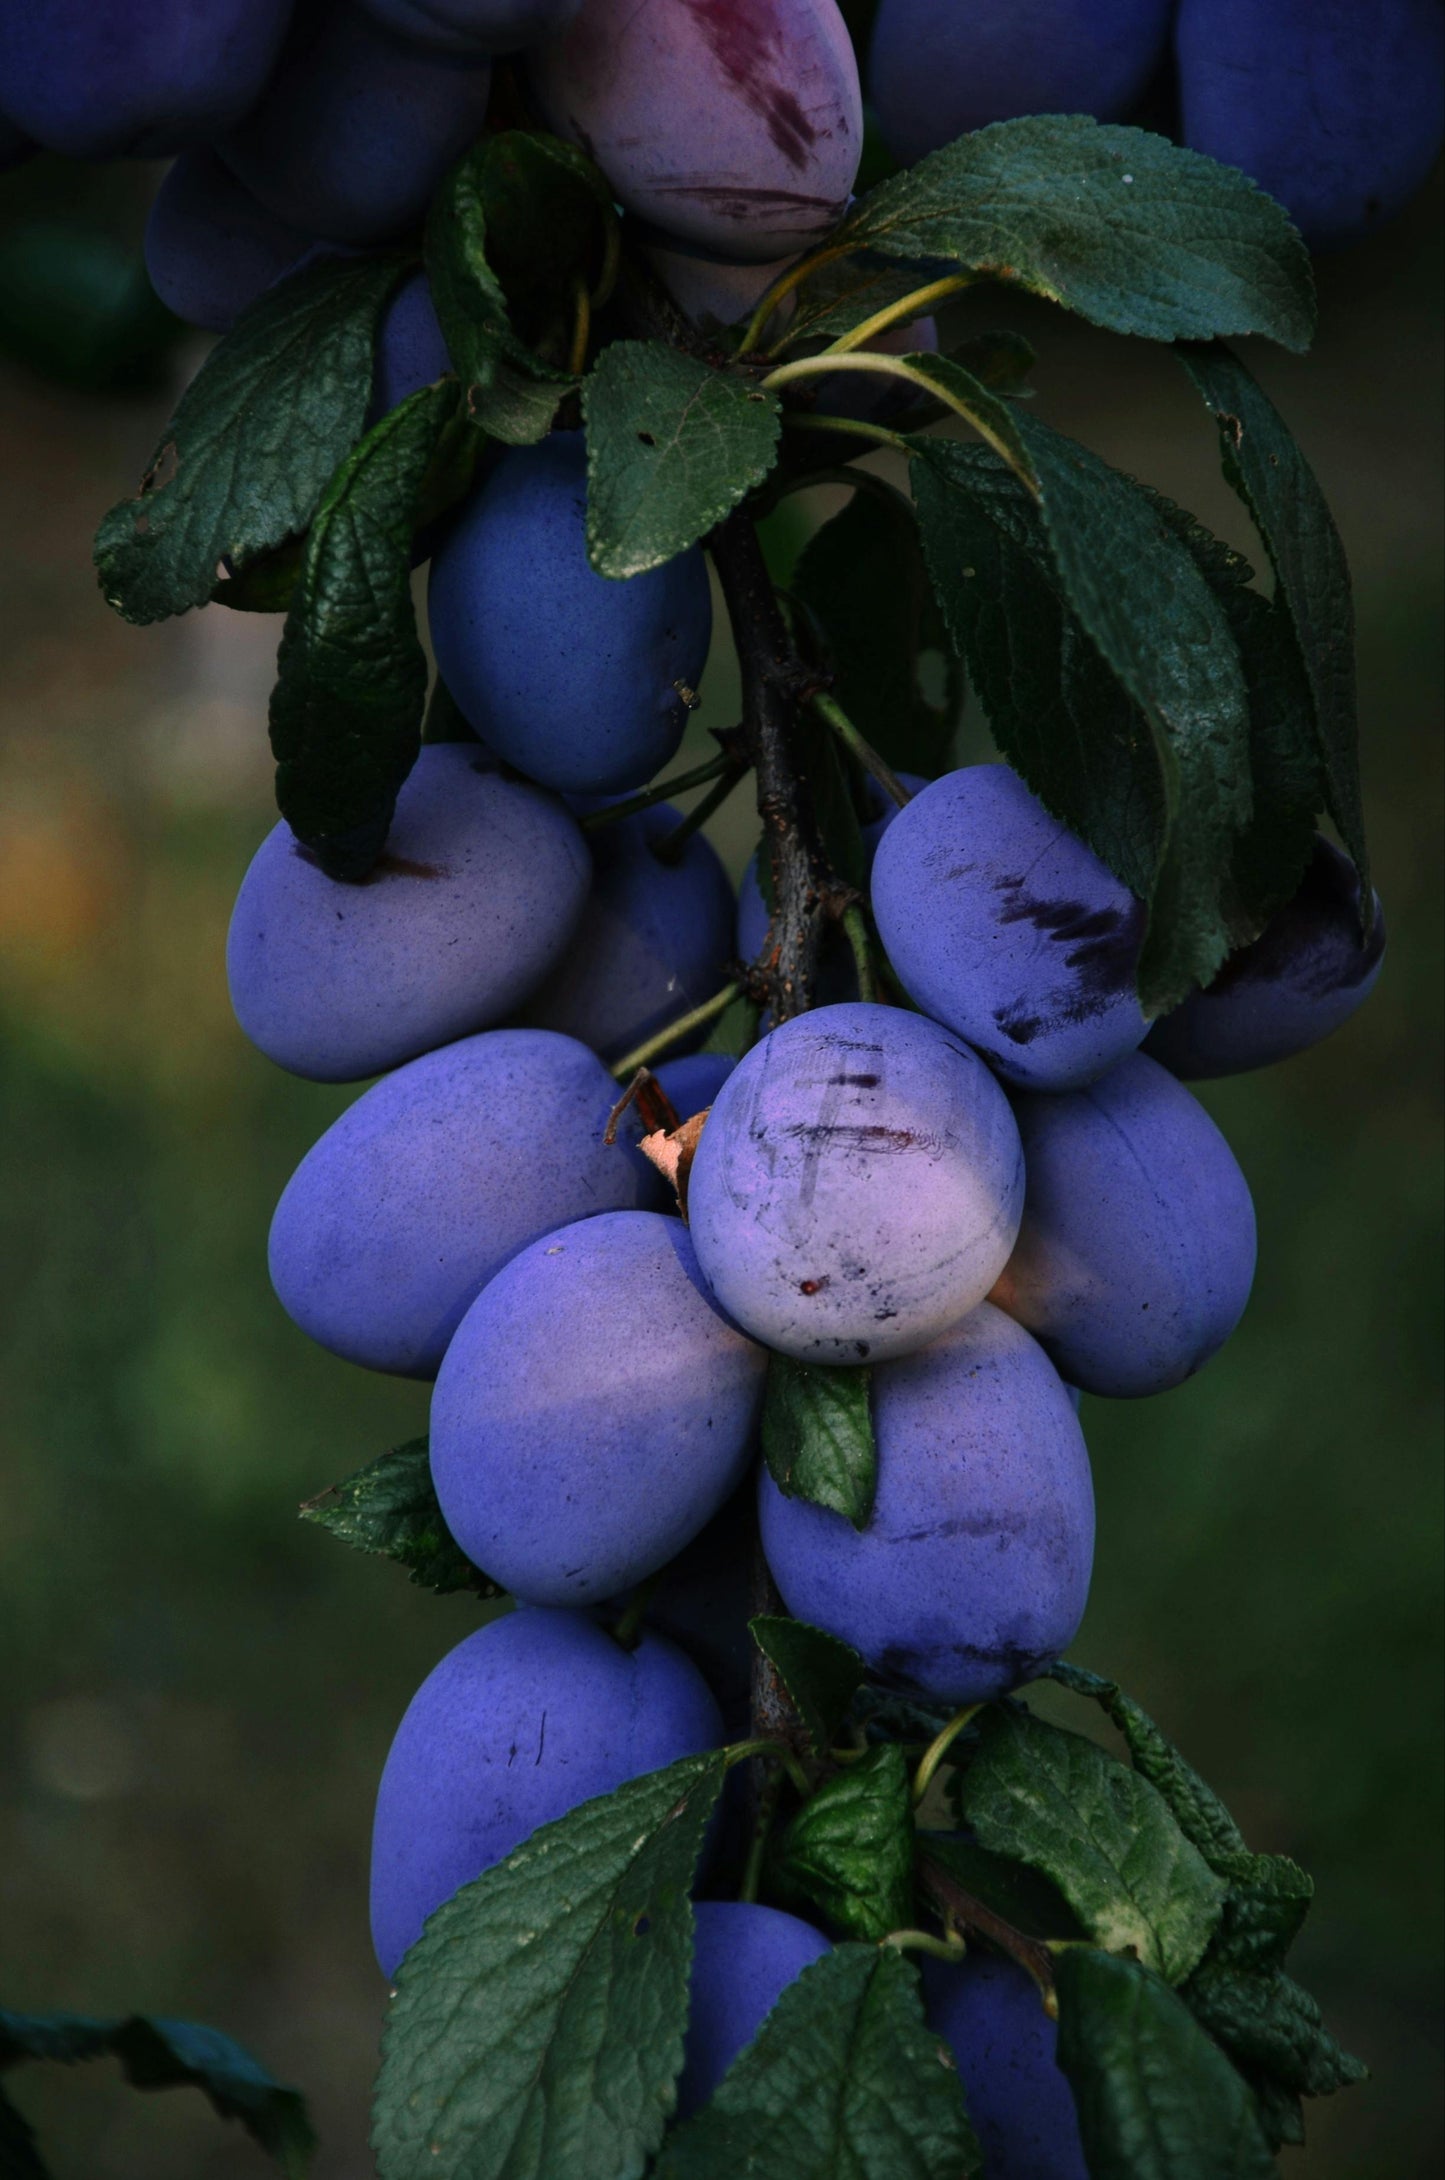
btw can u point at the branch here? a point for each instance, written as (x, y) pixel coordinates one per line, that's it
(960, 1910)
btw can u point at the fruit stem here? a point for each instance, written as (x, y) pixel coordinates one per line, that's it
(779, 1752)
(831, 712)
(939, 1747)
(923, 1941)
(801, 269)
(581, 327)
(612, 813)
(851, 427)
(907, 306)
(856, 926)
(642, 1055)
(669, 848)
(960, 1911)
(634, 1612)
(767, 1809)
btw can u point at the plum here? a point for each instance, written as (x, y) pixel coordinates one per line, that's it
(990, 2013)
(472, 26)
(937, 69)
(653, 940)
(580, 682)
(1302, 978)
(139, 79)
(524, 1719)
(473, 902)
(435, 1177)
(693, 1081)
(744, 1957)
(410, 349)
(593, 1412)
(210, 248)
(702, 1601)
(973, 1570)
(858, 1185)
(1006, 927)
(1333, 108)
(1136, 1252)
(357, 127)
(736, 124)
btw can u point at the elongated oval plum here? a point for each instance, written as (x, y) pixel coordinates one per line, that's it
(593, 1411)
(743, 1959)
(1333, 108)
(1301, 980)
(990, 2013)
(424, 1188)
(580, 682)
(210, 247)
(524, 1719)
(737, 124)
(411, 351)
(472, 26)
(858, 1185)
(1136, 1252)
(694, 1080)
(473, 902)
(973, 1570)
(136, 78)
(937, 69)
(357, 127)
(652, 942)
(1003, 925)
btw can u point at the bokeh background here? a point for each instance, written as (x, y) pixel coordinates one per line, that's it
(197, 1691)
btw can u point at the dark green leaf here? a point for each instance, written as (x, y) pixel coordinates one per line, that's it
(538, 2020)
(346, 711)
(1101, 1832)
(156, 2053)
(1125, 228)
(845, 291)
(267, 584)
(1023, 1897)
(849, 1849)
(390, 1507)
(820, 1674)
(735, 1030)
(1266, 467)
(843, 2082)
(830, 776)
(20, 2157)
(672, 446)
(1279, 2112)
(1198, 1810)
(863, 581)
(1269, 1898)
(246, 457)
(1156, 2099)
(1269, 2023)
(818, 1435)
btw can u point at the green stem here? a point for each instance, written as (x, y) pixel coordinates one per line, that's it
(939, 1747)
(634, 1612)
(855, 925)
(831, 712)
(653, 1048)
(613, 813)
(581, 328)
(741, 1752)
(861, 480)
(849, 427)
(801, 269)
(923, 1941)
(758, 1846)
(670, 847)
(909, 373)
(907, 306)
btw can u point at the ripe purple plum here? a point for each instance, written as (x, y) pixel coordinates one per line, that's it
(433, 1180)
(736, 124)
(1333, 108)
(652, 941)
(1006, 927)
(973, 1570)
(357, 127)
(580, 682)
(990, 2014)
(410, 350)
(693, 1081)
(858, 1185)
(472, 26)
(593, 1412)
(210, 248)
(1136, 1253)
(526, 1718)
(478, 893)
(1301, 980)
(937, 70)
(138, 79)
(744, 1957)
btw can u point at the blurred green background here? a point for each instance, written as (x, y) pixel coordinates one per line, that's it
(198, 1691)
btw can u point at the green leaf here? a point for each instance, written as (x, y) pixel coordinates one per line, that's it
(1270, 2024)
(842, 2082)
(818, 1435)
(1022, 1897)
(736, 1029)
(346, 711)
(849, 1849)
(20, 2157)
(538, 2020)
(1269, 1898)
(1103, 1835)
(820, 1674)
(390, 1507)
(846, 290)
(1265, 466)
(516, 226)
(1156, 2099)
(1128, 230)
(831, 776)
(1198, 1810)
(261, 427)
(672, 446)
(156, 2053)
(863, 581)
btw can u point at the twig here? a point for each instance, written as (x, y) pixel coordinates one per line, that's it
(654, 1047)
(962, 1911)
(612, 813)
(831, 712)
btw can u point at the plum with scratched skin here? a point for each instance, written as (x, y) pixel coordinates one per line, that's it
(990, 2013)
(973, 1570)
(858, 1185)
(744, 1957)
(524, 1719)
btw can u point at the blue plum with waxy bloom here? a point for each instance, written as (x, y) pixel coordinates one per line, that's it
(594, 1411)
(693, 1081)
(438, 1174)
(581, 682)
(743, 1959)
(211, 248)
(1136, 1253)
(1006, 927)
(524, 1719)
(973, 1570)
(990, 2013)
